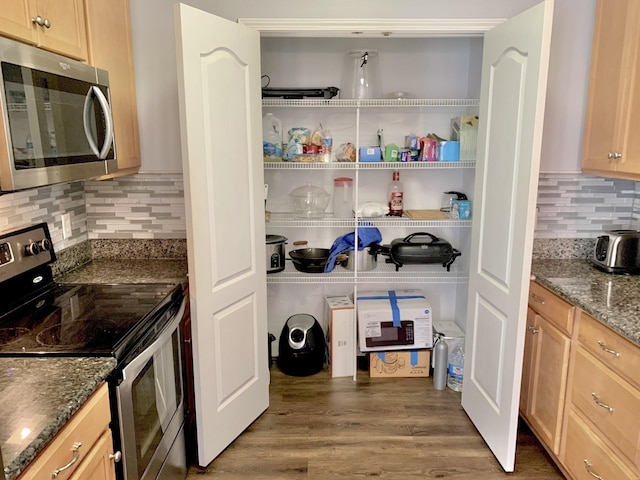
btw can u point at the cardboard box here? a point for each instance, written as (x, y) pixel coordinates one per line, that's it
(465, 130)
(370, 154)
(450, 332)
(341, 336)
(393, 320)
(406, 363)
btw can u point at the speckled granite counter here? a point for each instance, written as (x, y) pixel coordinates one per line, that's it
(128, 271)
(612, 299)
(41, 394)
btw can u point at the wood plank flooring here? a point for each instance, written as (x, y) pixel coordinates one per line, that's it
(322, 428)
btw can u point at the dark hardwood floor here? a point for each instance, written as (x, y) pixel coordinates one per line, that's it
(323, 428)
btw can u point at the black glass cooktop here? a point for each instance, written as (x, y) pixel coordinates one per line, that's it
(83, 319)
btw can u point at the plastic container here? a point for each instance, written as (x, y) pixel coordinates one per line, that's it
(361, 75)
(455, 371)
(343, 197)
(441, 363)
(309, 201)
(271, 138)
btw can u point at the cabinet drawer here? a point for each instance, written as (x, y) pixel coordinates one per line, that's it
(615, 351)
(586, 454)
(86, 426)
(552, 307)
(593, 382)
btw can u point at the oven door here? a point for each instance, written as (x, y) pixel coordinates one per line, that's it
(150, 409)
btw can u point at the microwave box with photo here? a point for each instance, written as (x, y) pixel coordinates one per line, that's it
(393, 320)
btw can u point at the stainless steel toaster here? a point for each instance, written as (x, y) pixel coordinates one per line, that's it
(618, 251)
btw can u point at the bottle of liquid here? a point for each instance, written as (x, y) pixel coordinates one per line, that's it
(441, 362)
(455, 372)
(271, 138)
(396, 196)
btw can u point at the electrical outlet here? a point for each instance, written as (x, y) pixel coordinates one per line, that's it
(66, 225)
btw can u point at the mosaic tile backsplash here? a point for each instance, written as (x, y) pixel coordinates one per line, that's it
(151, 206)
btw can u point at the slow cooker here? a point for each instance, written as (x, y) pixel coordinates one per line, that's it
(275, 253)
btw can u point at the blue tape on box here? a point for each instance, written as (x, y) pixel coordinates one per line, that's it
(393, 300)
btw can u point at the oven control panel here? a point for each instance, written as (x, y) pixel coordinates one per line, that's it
(24, 249)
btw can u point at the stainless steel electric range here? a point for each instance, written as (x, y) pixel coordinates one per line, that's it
(137, 324)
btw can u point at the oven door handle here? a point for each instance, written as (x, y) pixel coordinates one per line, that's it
(141, 359)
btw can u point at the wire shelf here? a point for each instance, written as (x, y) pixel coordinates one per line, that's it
(287, 219)
(371, 103)
(383, 273)
(367, 165)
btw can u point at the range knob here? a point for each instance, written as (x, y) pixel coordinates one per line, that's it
(32, 249)
(45, 245)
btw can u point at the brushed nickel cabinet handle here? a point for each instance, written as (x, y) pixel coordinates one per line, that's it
(603, 346)
(587, 466)
(537, 298)
(47, 23)
(116, 457)
(614, 156)
(596, 399)
(76, 457)
(532, 330)
(39, 20)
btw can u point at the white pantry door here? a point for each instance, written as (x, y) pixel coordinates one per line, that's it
(514, 80)
(221, 130)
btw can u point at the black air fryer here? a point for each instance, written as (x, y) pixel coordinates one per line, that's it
(301, 346)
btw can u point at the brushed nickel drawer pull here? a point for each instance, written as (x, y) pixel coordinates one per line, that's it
(76, 457)
(532, 330)
(603, 346)
(587, 465)
(596, 398)
(537, 298)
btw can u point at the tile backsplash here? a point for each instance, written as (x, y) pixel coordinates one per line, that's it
(151, 206)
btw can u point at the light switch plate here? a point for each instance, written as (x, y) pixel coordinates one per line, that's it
(66, 225)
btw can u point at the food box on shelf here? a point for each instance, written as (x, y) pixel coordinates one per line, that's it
(341, 333)
(465, 130)
(405, 363)
(370, 154)
(393, 320)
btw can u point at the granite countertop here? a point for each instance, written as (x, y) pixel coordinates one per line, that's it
(41, 394)
(128, 271)
(37, 398)
(612, 299)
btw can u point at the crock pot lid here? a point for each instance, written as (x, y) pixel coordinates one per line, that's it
(276, 239)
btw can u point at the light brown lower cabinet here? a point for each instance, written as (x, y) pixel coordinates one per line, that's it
(82, 449)
(581, 390)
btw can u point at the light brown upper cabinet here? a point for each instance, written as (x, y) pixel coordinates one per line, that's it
(55, 25)
(611, 142)
(109, 32)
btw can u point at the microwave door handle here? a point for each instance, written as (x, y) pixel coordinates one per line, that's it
(108, 141)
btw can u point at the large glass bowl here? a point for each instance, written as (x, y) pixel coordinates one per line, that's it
(309, 201)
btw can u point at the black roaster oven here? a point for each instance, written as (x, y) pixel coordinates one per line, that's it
(301, 347)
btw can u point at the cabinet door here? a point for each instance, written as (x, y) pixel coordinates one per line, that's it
(98, 464)
(526, 363)
(109, 32)
(67, 32)
(15, 20)
(548, 384)
(614, 87)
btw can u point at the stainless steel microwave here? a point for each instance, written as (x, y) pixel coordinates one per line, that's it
(56, 119)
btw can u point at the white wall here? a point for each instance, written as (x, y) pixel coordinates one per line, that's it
(155, 62)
